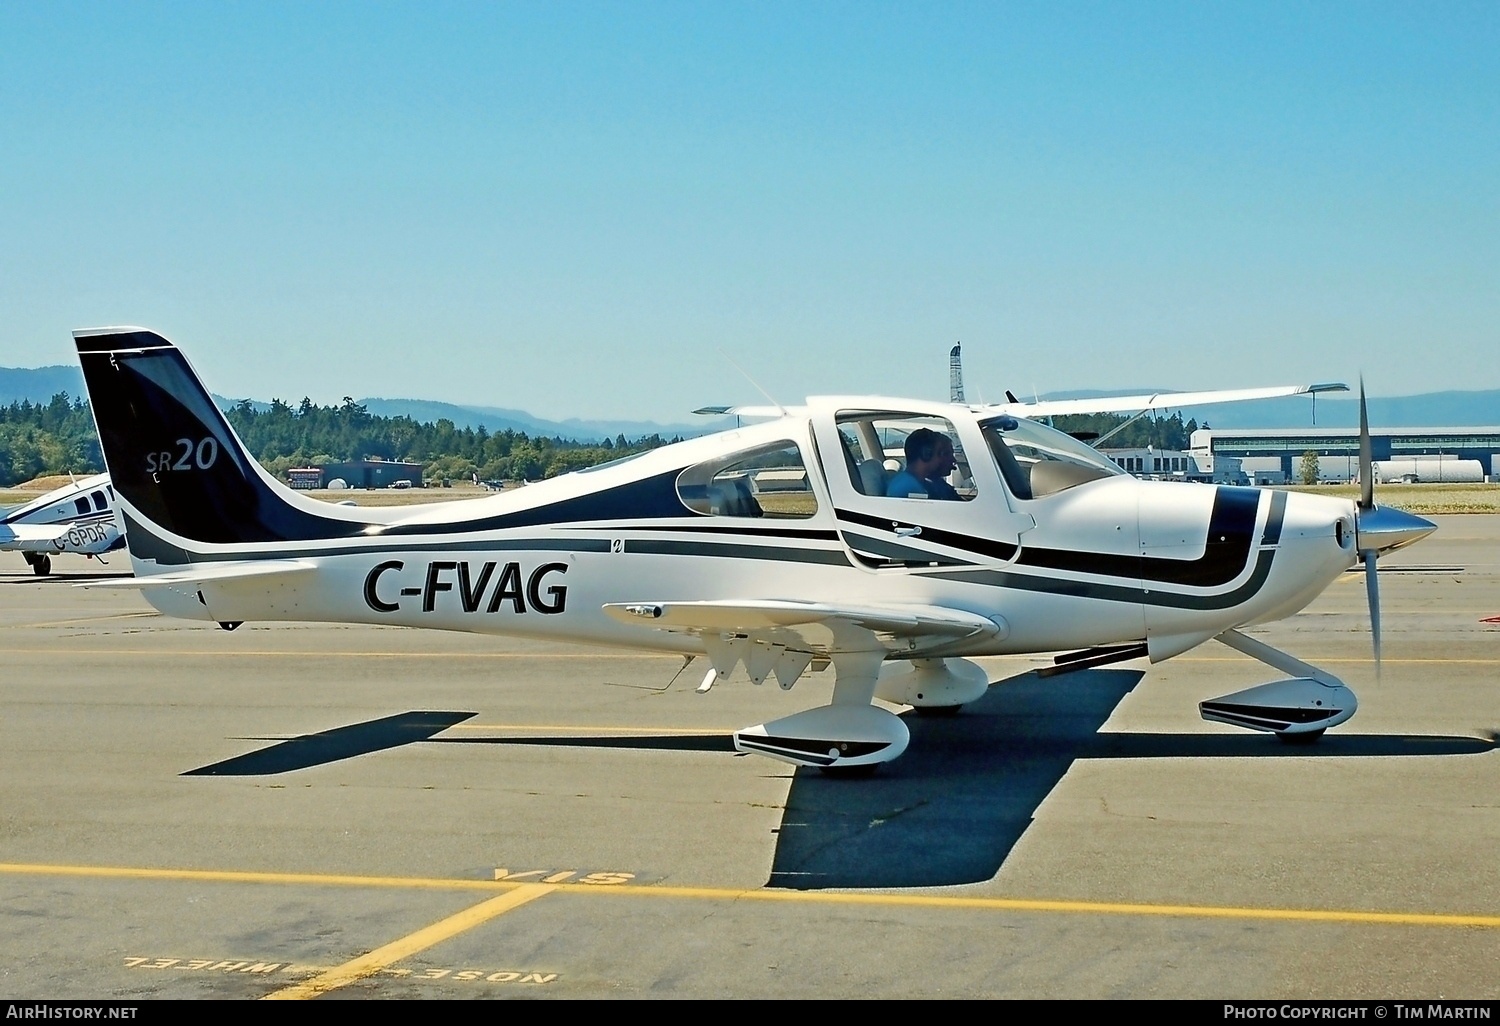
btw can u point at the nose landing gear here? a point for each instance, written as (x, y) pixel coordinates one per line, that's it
(1297, 711)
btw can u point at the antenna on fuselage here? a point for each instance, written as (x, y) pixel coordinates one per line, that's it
(752, 381)
(955, 374)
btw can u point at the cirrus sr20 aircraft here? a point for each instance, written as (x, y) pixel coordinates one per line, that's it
(774, 547)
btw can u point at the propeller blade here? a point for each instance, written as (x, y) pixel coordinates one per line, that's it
(1372, 593)
(1366, 460)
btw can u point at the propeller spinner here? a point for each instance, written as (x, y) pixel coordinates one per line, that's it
(1378, 529)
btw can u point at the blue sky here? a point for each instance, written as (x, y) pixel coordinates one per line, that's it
(575, 208)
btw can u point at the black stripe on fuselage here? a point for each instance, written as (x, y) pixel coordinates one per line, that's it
(1119, 593)
(650, 498)
(708, 527)
(1231, 530)
(1274, 519)
(900, 555)
(1003, 551)
(146, 544)
(1139, 593)
(775, 553)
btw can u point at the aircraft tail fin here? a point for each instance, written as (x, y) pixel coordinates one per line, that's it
(173, 458)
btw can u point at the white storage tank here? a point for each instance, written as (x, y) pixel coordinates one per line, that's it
(1429, 470)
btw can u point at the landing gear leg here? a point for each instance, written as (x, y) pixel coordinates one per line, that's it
(1297, 711)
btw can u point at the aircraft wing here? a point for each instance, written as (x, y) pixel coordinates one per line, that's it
(785, 636)
(1160, 400)
(747, 411)
(84, 537)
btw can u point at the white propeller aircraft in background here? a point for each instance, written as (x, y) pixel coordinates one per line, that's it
(774, 547)
(78, 517)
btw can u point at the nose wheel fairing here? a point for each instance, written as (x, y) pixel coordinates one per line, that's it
(1284, 707)
(1303, 706)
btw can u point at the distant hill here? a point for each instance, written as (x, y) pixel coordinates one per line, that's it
(1432, 409)
(38, 384)
(495, 419)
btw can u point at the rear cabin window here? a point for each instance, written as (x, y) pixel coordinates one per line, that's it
(769, 481)
(81, 504)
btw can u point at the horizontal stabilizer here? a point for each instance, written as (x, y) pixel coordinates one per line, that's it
(208, 573)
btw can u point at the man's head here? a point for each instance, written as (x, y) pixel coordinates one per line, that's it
(929, 454)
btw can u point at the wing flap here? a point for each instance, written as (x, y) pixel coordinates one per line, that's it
(906, 620)
(784, 637)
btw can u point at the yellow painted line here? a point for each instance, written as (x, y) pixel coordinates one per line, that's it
(944, 901)
(1035, 905)
(574, 728)
(242, 876)
(326, 653)
(395, 951)
(89, 619)
(1387, 660)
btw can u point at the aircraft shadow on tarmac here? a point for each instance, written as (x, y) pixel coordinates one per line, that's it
(949, 811)
(334, 745)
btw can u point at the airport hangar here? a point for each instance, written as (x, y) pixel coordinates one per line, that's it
(1264, 453)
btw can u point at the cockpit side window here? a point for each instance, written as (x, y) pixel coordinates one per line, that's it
(769, 481)
(98, 498)
(81, 504)
(876, 454)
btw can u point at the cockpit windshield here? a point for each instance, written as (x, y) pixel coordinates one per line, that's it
(1037, 460)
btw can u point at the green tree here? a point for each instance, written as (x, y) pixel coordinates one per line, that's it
(1309, 469)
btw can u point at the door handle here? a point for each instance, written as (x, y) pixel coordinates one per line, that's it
(906, 532)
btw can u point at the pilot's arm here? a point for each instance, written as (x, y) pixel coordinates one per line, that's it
(937, 488)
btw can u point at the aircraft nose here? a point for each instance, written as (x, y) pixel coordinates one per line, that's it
(1383, 529)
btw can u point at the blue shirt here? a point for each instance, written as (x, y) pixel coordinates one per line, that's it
(906, 484)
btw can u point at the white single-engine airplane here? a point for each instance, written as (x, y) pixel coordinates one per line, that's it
(773, 546)
(78, 517)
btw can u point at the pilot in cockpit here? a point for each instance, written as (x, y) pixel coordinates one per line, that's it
(929, 461)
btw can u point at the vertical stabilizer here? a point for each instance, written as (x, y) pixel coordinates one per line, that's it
(174, 459)
(955, 374)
